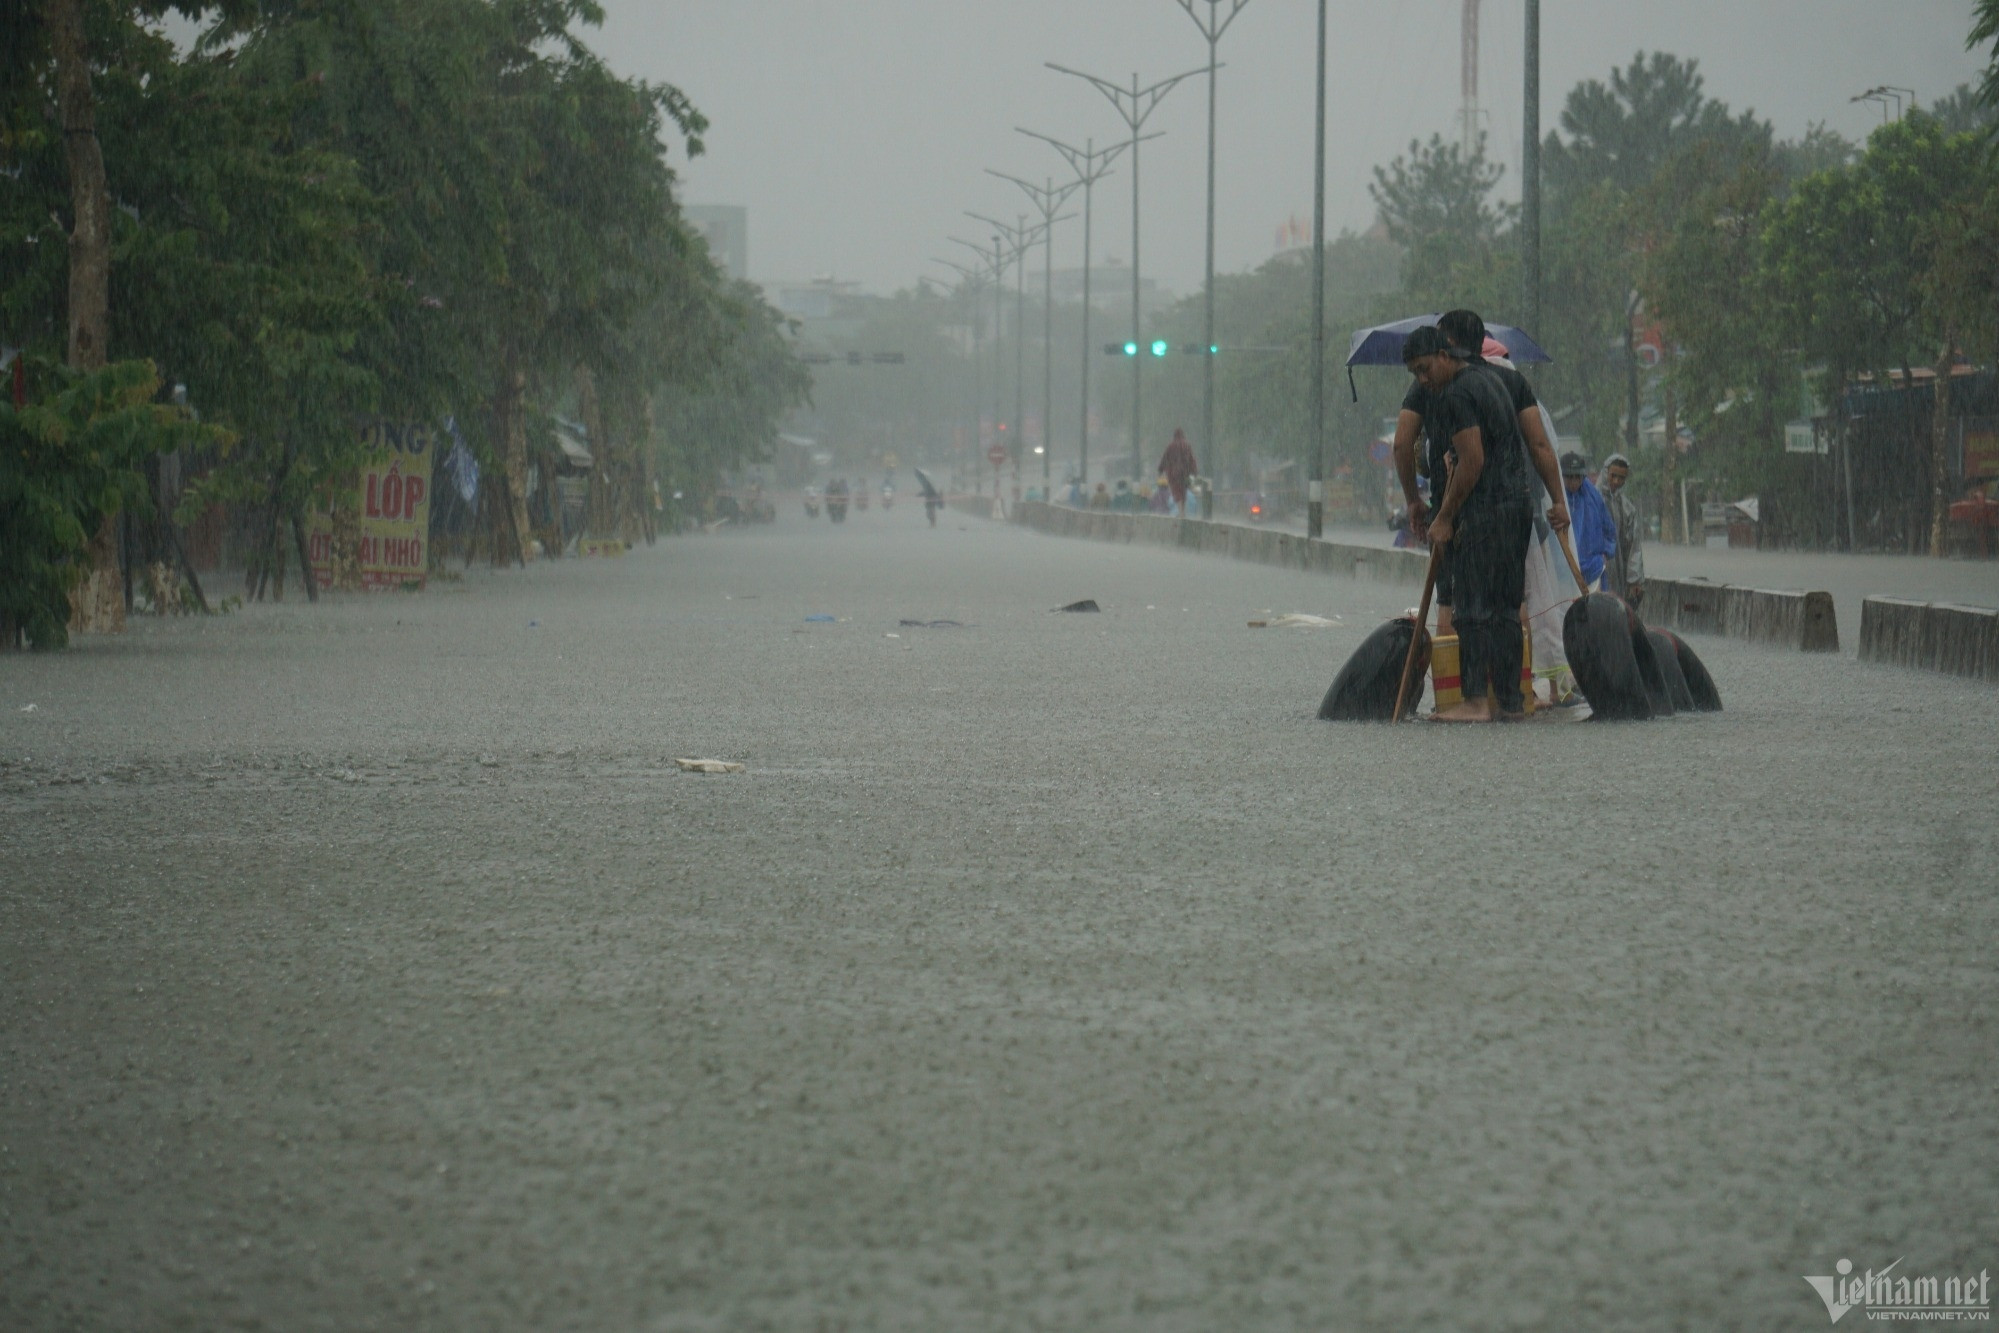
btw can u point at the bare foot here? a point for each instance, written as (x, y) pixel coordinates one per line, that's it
(1479, 710)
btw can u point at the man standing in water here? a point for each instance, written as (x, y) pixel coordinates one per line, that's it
(1484, 519)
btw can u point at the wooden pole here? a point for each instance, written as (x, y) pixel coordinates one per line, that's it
(1416, 639)
(1582, 584)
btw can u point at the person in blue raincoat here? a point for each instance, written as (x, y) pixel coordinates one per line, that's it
(1590, 523)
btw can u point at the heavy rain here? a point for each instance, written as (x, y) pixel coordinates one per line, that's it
(1171, 664)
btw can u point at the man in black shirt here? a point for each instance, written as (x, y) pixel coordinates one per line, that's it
(1412, 428)
(1484, 519)
(1465, 330)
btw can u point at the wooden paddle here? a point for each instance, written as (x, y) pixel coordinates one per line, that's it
(1422, 623)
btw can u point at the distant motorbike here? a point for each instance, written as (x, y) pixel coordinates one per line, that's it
(836, 501)
(812, 502)
(1258, 508)
(888, 496)
(861, 498)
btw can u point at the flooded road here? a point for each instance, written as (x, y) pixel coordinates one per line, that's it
(373, 965)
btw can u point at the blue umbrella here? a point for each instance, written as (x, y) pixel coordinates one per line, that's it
(1382, 344)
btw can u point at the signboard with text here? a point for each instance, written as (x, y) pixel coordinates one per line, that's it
(383, 539)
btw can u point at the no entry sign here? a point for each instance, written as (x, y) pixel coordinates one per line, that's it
(996, 454)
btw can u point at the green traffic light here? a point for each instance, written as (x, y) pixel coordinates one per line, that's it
(1213, 348)
(1159, 347)
(1131, 349)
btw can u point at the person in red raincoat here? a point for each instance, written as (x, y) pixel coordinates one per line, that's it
(1177, 463)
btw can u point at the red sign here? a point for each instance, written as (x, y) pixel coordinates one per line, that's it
(996, 454)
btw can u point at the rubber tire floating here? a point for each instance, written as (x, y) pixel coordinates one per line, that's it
(1700, 685)
(1365, 689)
(1669, 668)
(1601, 636)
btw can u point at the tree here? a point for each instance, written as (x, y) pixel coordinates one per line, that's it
(1624, 131)
(722, 410)
(1856, 255)
(69, 461)
(1985, 28)
(1436, 202)
(1614, 139)
(1964, 110)
(527, 212)
(1734, 376)
(64, 58)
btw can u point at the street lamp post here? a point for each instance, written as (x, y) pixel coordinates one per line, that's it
(972, 281)
(1019, 237)
(1530, 173)
(1315, 472)
(1090, 164)
(997, 258)
(1134, 105)
(1212, 25)
(1049, 198)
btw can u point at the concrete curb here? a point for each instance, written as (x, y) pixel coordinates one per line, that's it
(1805, 621)
(1263, 546)
(1932, 636)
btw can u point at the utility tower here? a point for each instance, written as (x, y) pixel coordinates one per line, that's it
(1468, 73)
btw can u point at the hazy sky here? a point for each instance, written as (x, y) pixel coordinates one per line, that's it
(856, 133)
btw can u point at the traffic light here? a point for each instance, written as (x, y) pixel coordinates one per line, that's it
(1160, 347)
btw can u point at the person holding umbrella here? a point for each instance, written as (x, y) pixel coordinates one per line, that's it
(933, 499)
(1484, 520)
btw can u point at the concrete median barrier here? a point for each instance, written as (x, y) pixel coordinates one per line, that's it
(1263, 546)
(1805, 621)
(1932, 636)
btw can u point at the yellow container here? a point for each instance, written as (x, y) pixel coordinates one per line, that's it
(1447, 684)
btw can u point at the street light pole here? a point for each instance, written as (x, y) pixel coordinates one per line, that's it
(972, 281)
(1090, 164)
(1019, 238)
(1212, 26)
(1049, 198)
(1315, 495)
(997, 258)
(1133, 106)
(1530, 175)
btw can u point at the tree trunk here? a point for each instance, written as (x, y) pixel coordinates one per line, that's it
(1911, 538)
(642, 511)
(1939, 448)
(597, 519)
(98, 603)
(510, 535)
